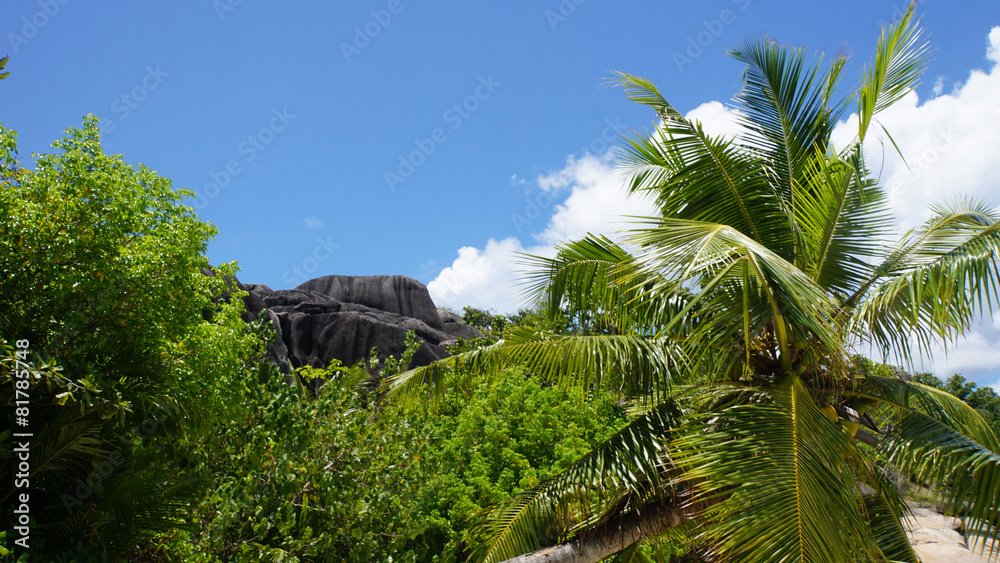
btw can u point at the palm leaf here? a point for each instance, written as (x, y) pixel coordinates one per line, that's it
(935, 282)
(597, 276)
(628, 364)
(888, 530)
(899, 62)
(965, 471)
(697, 177)
(628, 463)
(782, 479)
(842, 217)
(784, 107)
(727, 268)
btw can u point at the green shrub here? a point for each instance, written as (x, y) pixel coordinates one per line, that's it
(305, 478)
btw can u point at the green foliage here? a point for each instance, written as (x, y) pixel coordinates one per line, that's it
(488, 322)
(3, 63)
(739, 300)
(985, 400)
(93, 249)
(509, 436)
(101, 277)
(300, 477)
(496, 326)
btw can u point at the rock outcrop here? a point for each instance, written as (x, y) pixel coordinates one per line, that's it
(936, 539)
(344, 317)
(456, 327)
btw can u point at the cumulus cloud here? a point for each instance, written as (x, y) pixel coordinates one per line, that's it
(312, 222)
(717, 119)
(950, 145)
(597, 203)
(594, 202)
(484, 278)
(949, 142)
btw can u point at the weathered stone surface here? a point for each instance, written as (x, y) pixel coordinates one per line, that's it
(936, 540)
(392, 294)
(454, 326)
(447, 316)
(344, 317)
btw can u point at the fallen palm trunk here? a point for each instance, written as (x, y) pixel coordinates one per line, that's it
(612, 536)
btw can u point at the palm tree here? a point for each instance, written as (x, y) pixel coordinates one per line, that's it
(731, 320)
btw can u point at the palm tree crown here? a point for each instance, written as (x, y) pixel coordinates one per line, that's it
(730, 324)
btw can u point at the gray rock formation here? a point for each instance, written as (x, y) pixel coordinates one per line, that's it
(392, 294)
(456, 327)
(344, 317)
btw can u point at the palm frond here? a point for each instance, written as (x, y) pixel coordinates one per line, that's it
(886, 526)
(782, 479)
(784, 107)
(697, 177)
(899, 63)
(630, 462)
(965, 471)
(599, 276)
(726, 269)
(69, 445)
(906, 396)
(937, 280)
(842, 217)
(627, 364)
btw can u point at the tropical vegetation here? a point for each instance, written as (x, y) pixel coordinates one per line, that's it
(690, 392)
(729, 321)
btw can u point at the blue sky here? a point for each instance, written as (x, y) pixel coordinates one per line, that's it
(435, 139)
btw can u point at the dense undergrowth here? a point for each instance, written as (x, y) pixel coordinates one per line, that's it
(159, 431)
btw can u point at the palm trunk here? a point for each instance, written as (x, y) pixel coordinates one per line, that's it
(610, 537)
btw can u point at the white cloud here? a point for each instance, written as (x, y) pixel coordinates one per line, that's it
(717, 119)
(491, 278)
(949, 141)
(486, 279)
(598, 202)
(938, 86)
(974, 355)
(312, 222)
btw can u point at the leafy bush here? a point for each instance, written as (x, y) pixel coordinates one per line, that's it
(101, 280)
(298, 477)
